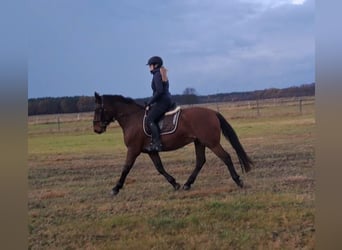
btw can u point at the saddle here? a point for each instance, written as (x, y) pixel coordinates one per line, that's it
(167, 124)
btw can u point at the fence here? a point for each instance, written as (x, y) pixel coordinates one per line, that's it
(264, 107)
(59, 118)
(254, 108)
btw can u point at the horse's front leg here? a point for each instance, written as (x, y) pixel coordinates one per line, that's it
(159, 166)
(130, 159)
(200, 160)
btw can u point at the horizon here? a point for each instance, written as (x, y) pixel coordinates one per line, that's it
(232, 92)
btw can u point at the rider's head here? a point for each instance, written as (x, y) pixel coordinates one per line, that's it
(155, 62)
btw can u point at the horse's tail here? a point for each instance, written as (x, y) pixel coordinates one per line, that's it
(231, 136)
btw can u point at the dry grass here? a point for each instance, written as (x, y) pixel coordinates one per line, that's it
(71, 172)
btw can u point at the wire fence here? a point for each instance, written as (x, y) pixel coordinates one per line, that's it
(238, 109)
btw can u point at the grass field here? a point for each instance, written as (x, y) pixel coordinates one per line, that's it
(72, 170)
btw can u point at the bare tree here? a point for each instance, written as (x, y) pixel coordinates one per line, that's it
(190, 96)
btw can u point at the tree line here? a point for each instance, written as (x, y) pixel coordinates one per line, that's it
(77, 104)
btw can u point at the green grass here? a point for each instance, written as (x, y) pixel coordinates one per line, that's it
(72, 170)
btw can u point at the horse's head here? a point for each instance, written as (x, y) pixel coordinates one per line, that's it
(102, 117)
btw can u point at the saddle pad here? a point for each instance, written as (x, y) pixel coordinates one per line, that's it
(167, 124)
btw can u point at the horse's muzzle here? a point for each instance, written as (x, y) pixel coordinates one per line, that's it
(99, 127)
(98, 131)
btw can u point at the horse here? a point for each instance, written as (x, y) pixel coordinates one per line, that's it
(198, 125)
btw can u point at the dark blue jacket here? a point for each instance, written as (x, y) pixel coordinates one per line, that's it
(161, 94)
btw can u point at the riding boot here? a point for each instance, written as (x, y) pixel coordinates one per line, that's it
(155, 145)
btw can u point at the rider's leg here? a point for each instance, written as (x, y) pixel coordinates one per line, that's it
(155, 141)
(153, 117)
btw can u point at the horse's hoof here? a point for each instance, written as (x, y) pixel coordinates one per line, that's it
(114, 192)
(176, 186)
(186, 187)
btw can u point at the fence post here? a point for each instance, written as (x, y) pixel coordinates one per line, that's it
(300, 105)
(58, 123)
(257, 103)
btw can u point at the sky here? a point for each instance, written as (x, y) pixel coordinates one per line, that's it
(214, 46)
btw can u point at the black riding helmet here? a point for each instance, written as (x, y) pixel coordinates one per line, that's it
(155, 60)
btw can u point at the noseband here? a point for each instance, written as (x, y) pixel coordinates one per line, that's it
(103, 122)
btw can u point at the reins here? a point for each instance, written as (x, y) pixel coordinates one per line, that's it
(117, 117)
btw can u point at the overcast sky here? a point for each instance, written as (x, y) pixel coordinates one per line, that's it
(215, 46)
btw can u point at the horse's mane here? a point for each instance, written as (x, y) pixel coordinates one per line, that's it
(120, 99)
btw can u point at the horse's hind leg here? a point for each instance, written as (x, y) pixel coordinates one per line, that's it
(225, 157)
(159, 166)
(200, 160)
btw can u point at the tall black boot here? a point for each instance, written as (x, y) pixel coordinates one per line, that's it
(155, 145)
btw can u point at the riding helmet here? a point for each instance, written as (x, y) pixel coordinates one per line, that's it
(155, 60)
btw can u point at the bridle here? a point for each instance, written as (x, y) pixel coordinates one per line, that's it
(101, 118)
(105, 122)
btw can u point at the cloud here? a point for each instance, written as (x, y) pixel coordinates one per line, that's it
(274, 3)
(298, 2)
(208, 44)
(260, 45)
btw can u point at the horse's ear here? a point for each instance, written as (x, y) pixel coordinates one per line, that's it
(98, 98)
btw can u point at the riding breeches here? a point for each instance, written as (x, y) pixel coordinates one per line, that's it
(153, 117)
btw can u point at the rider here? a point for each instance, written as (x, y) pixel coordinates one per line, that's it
(159, 103)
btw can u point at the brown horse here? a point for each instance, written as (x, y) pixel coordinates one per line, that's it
(199, 125)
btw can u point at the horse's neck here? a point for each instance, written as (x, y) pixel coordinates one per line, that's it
(128, 114)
